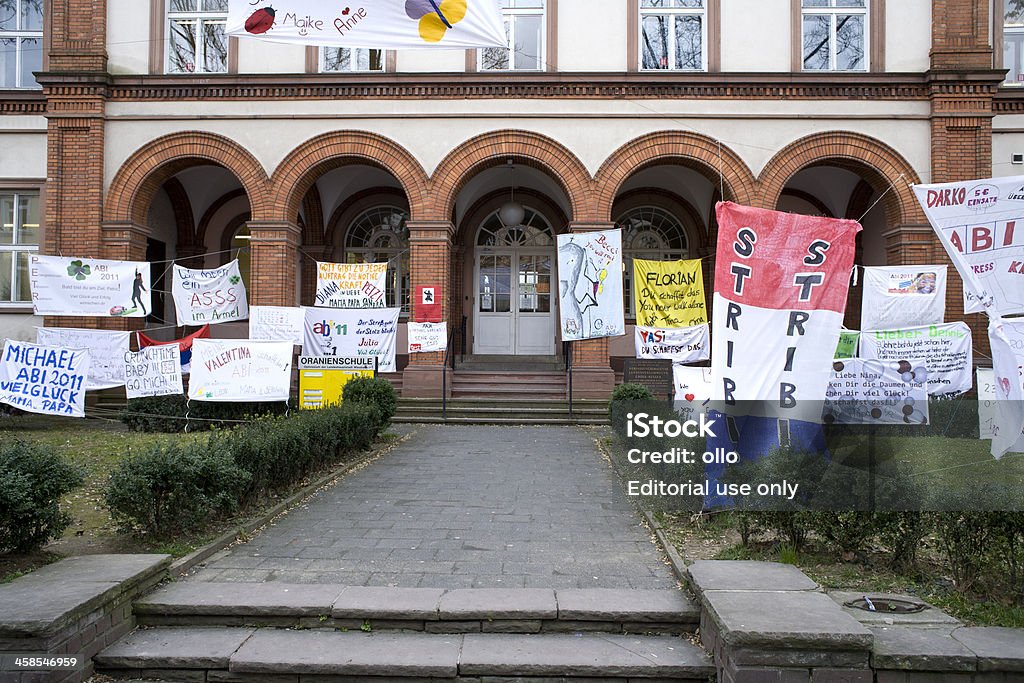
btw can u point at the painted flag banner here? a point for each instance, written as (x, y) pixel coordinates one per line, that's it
(89, 287)
(276, 323)
(240, 370)
(693, 390)
(105, 347)
(981, 225)
(875, 392)
(680, 344)
(781, 282)
(1005, 337)
(351, 285)
(153, 371)
(44, 379)
(210, 296)
(184, 345)
(668, 293)
(384, 24)
(590, 285)
(427, 337)
(945, 349)
(352, 333)
(903, 296)
(849, 341)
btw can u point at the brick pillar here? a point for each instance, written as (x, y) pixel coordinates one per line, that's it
(274, 254)
(592, 373)
(430, 263)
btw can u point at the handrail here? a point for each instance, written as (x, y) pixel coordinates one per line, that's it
(444, 372)
(567, 350)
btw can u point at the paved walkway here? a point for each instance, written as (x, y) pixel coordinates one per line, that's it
(463, 507)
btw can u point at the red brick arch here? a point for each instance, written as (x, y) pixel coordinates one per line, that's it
(708, 156)
(307, 162)
(493, 149)
(873, 160)
(139, 178)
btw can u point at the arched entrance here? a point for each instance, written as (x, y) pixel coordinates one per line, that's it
(514, 304)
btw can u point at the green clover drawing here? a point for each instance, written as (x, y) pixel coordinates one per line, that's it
(234, 279)
(79, 270)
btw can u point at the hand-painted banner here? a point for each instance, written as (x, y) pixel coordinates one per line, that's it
(240, 370)
(1006, 339)
(981, 225)
(680, 344)
(849, 341)
(276, 323)
(351, 285)
(945, 349)
(44, 379)
(105, 347)
(184, 345)
(353, 333)
(208, 297)
(590, 285)
(903, 296)
(693, 390)
(153, 371)
(781, 282)
(668, 293)
(427, 337)
(89, 287)
(875, 392)
(384, 24)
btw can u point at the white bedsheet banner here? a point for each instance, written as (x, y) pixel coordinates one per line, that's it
(89, 287)
(590, 285)
(875, 392)
(427, 337)
(106, 351)
(352, 333)
(903, 296)
(211, 296)
(153, 371)
(679, 344)
(44, 379)
(945, 349)
(276, 323)
(240, 370)
(351, 285)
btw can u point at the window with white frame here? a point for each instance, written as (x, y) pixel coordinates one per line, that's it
(649, 233)
(380, 234)
(673, 34)
(525, 28)
(1013, 41)
(19, 239)
(343, 59)
(834, 35)
(21, 42)
(197, 40)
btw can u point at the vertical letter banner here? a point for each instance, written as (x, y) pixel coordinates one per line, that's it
(276, 323)
(849, 341)
(981, 225)
(105, 347)
(427, 337)
(209, 296)
(680, 345)
(184, 345)
(89, 287)
(1006, 338)
(428, 304)
(781, 282)
(668, 293)
(240, 370)
(352, 333)
(903, 296)
(946, 350)
(153, 371)
(351, 285)
(44, 379)
(875, 392)
(386, 24)
(590, 285)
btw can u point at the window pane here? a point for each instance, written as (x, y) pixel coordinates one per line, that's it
(362, 59)
(655, 42)
(215, 5)
(849, 3)
(690, 4)
(215, 46)
(850, 42)
(31, 61)
(6, 219)
(8, 15)
(528, 41)
(689, 43)
(1014, 12)
(495, 57)
(815, 3)
(8, 62)
(182, 47)
(1013, 56)
(31, 15)
(28, 216)
(816, 35)
(5, 275)
(22, 288)
(336, 59)
(522, 4)
(183, 6)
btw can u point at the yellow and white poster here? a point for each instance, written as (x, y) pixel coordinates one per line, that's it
(351, 285)
(668, 293)
(322, 379)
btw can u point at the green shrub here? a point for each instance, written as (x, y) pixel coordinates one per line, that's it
(631, 392)
(172, 413)
(902, 533)
(174, 489)
(32, 481)
(374, 391)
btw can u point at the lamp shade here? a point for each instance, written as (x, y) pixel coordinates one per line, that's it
(511, 214)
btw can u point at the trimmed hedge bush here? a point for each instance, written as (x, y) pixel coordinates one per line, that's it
(374, 391)
(32, 481)
(168, 413)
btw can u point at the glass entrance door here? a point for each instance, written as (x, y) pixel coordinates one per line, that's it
(513, 303)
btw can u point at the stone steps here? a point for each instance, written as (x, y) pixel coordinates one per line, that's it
(515, 410)
(431, 610)
(247, 654)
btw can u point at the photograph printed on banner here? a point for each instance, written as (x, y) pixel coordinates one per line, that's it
(903, 296)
